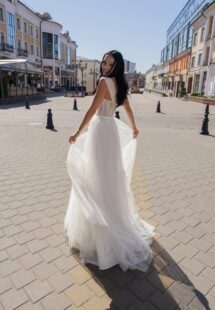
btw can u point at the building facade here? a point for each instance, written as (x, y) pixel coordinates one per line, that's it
(37, 37)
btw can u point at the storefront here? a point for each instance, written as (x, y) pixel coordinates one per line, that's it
(18, 77)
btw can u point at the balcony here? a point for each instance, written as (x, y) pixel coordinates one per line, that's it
(4, 47)
(22, 52)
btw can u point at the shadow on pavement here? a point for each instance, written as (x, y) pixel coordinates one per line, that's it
(164, 286)
(22, 104)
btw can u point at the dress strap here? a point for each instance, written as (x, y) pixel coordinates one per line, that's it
(111, 88)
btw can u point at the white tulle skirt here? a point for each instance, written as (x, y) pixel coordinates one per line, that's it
(101, 221)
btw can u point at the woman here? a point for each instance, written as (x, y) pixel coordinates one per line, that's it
(101, 221)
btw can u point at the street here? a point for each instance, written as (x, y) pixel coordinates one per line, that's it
(174, 189)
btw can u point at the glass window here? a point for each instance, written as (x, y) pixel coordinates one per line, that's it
(195, 38)
(47, 45)
(25, 27)
(1, 37)
(192, 61)
(19, 43)
(32, 34)
(202, 35)
(37, 34)
(1, 15)
(18, 24)
(37, 51)
(10, 29)
(26, 46)
(200, 59)
(32, 49)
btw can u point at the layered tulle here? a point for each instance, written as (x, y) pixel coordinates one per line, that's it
(101, 220)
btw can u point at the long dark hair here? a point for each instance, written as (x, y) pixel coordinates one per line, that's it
(118, 73)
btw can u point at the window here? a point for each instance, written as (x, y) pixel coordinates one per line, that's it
(19, 43)
(37, 34)
(202, 35)
(32, 34)
(193, 61)
(47, 45)
(1, 37)
(18, 24)
(196, 84)
(10, 29)
(25, 27)
(32, 49)
(37, 51)
(195, 38)
(26, 46)
(1, 15)
(200, 59)
(57, 47)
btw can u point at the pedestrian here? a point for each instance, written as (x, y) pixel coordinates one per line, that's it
(101, 221)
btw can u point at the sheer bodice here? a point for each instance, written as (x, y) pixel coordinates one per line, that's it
(107, 107)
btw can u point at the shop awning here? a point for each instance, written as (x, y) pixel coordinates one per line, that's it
(20, 65)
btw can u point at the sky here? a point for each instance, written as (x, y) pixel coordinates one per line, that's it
(137, 28)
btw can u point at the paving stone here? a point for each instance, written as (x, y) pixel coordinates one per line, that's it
(80, 275)
(182, 292)
(22, 278)
(30, 226)
(3, 256)
(6, 242)
(193, 265)
(98, 303)
(13, 298)
(163, 301)
(56, 302)
(37, 245)
(24, 237)
(16, 251)
(8, 267)
(44, 270)
(30, 260)
(55, 240)
(12, 230)
(37, 290)
(42, 233)
(79, 294)
(60, 282)
(5, 285)
(96, 288)
(142, 289)
(50, 254)
(64, 264)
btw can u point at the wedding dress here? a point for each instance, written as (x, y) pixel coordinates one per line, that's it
(101, 221)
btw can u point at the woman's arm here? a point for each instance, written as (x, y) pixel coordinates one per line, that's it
(130, 117)
(99, 96)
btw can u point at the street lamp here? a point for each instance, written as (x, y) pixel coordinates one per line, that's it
(81, 66)
(94, 73)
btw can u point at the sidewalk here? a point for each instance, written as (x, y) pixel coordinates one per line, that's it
(174, 188)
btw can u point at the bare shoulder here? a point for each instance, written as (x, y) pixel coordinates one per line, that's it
(102, 86)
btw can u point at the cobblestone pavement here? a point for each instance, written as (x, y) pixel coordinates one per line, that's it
(174, 188)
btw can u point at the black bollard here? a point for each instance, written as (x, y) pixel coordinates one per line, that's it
(205, 122)
(27, 103)
(117, 114)
(49, 120)
(158, 107)
(207, 109)
(75, 108)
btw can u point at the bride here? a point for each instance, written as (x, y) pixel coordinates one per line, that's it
(101, 220)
